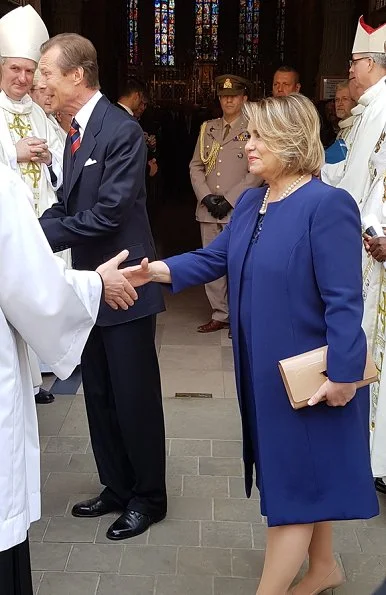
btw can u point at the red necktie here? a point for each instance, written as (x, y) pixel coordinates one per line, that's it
(74, 136)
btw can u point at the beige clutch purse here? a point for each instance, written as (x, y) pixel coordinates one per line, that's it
(304, 374)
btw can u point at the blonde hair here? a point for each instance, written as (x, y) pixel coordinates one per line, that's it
(290, 128)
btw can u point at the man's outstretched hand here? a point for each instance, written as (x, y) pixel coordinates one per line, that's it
(118, 292)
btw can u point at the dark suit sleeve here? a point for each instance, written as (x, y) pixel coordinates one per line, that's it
(57, 209)
(337, 255)
(122, 178)
(201, 266)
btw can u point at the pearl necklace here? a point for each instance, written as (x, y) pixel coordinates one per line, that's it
(286, 192)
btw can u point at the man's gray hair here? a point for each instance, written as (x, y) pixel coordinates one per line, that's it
(342, 85)
(378, 58)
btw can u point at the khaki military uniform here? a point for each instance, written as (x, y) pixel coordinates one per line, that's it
(225, 174)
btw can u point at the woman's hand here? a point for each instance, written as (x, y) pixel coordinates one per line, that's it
(336, 394)
(147, 271)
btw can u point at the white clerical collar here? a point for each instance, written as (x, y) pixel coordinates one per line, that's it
(84, 114)
(128, 109)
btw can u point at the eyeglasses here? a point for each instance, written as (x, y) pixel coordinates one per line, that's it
(351, 62)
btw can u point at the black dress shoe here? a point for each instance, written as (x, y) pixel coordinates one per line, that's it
(130, 524)
(380, 485)
(43, 397)
(94, 507)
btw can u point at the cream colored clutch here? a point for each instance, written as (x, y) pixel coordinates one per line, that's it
(304, 374)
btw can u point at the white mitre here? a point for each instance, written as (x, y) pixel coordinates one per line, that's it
(22, 32)
(369, 40)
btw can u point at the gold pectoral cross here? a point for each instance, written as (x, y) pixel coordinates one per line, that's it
(33, 171)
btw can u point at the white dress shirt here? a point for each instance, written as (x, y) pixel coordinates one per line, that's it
(84, 114)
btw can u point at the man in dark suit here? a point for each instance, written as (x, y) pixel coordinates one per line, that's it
(102, 210)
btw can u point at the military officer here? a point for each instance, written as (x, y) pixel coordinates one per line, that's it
(219, 174)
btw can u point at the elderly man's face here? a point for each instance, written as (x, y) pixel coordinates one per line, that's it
(61, 87)
(343, 103)
(360, 70)
(42, 97)
(17, 77)
(284, 83)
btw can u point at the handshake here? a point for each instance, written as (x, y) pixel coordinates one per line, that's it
(218, 206)
(117, 291)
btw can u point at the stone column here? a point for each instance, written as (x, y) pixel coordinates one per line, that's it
(338, 37)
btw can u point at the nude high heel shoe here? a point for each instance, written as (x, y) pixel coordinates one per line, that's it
(332, 581)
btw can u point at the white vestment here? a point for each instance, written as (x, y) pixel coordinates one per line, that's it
(352, 174)
(19, 119)
(53, 309)
(374, 319)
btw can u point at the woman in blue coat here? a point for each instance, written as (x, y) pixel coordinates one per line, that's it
(292, 253)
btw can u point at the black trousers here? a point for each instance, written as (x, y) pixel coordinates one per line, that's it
(15, 570)
(122, 390)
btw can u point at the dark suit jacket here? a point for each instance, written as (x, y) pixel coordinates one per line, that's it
(101, 207)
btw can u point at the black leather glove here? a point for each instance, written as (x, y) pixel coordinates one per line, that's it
(211, 202)
(223, 208)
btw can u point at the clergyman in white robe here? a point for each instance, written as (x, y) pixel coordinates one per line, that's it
(53, 309)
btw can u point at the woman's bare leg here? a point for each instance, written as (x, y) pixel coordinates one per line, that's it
(322, 564)
(287, 548)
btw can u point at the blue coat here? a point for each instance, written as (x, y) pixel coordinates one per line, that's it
(101, 207)
(306, 292)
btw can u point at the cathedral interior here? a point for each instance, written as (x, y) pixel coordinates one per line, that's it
(178, 47)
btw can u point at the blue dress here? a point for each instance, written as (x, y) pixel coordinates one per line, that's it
(295, 289)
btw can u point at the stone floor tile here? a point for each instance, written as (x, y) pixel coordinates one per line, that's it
(111, 584)
(36, 578)
(95, 557)
(345, 540)
(105, 523)
(227, 448)
(82, 463)
(205, 486)
(182, 381)
(204, 561)
(225, 340)
(69, 483)
(227, 359)
(174, 485)
(220, 466)
(71, 445)
(49, 556)
(259, 534)
(230, 509)
(188, 335)
(65, 583)
(237, 489)
(226, 534)
(190, 448)
(54, 504)
(182, 465)
(37, 529)
(171, 532)
(247, 563)
(54, 462)
(43, 441)
(76, 423)
(71, 530)
(359, 588)
(191, 418)
(190, 357)
(51, 418)
(149, 560)
(364, 568)
(234, 586)
(230, 390)
(184, 585)
(372, 540)
(193, 509)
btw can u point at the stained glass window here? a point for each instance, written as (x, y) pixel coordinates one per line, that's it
(164, 32)
(281, 27)
(132, 9)
(207, 12)
(249, 27)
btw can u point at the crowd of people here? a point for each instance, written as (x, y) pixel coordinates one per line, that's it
(286, 270)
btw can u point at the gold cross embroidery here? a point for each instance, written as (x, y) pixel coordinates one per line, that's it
(20, 127)
(33, 171)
